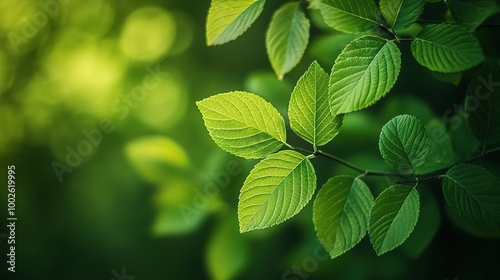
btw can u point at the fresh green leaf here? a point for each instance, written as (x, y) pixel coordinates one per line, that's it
(400, 14)
(287, 38)
(471, 13)
(341, 213)
(363, 73)
(446, 48)
(404, 143)
(243, 124)
(227, 251)
(275, 190)
(156, 158)
(228, 19)
(482, 104)
(350, 16)
(309, 113)
(393, 217)
(473, 193)
(427, 226)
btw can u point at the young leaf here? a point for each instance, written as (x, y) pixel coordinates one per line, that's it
(446, 48)
(482, 104)
(350, 16)
(341, 213)
(404, 143)
(309, 113)
(228, 19)
(471, 13)
(393, 217)
(275, 190)
(400, 14)
(363, 73)
(287, 38)
(473, 193)
(243, 124)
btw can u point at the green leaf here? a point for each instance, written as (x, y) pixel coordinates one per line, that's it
(471, 13)
(228, 19)
(275, 190)
(404, 143)
(227, 251)
(393, 217)
(446, 48)
(482, 104)
(441, 154)
(451, 78)
(363, 73)
(350, 16)
(400, 14)
(428, 224)
(341, 213)
(473, 193)
(176, 214)
(243, 124)
(287, 38)
(156, 158)
(309, 113)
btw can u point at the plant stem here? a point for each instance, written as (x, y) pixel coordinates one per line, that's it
(366, 172)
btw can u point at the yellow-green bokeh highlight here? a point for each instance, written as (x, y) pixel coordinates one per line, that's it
(148, 34)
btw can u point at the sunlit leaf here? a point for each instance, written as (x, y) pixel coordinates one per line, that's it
(350, 16)
(227, 251)
(287, 38)
(156, 158)
(309, 111)
(393, 217)
(473, 193)
(275, 190)
(404, 143)
(363, 73)
(243, 124)
(471, 13)
(400, 14)
(446, 48)
(228, 19)
(341, 213)
(482, 104)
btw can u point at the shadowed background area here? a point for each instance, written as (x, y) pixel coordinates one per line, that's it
(117, 177)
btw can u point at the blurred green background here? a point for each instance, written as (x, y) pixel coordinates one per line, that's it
(116, 174)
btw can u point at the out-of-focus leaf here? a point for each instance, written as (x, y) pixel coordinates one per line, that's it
(157, 158)
(441, 153)
(482, 104)
(227, 251)
(471, 13)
